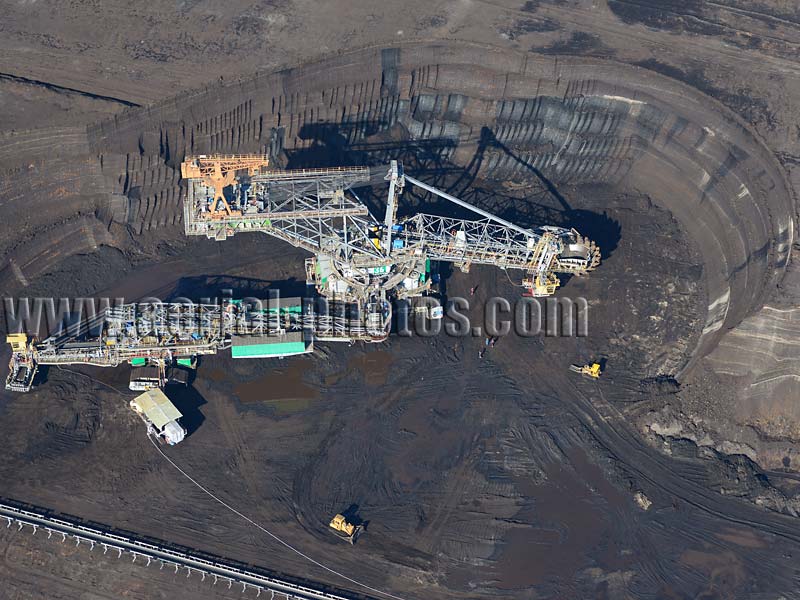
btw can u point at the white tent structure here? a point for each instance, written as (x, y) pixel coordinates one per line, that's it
(160, 414)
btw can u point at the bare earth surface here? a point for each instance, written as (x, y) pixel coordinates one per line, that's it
(668, 132)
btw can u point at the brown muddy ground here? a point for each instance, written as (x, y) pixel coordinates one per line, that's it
(500, 477)
(475, 477)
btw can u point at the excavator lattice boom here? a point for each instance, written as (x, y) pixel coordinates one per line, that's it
(359, 263)
(360, 258)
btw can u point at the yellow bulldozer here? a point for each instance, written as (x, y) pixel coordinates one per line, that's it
(345, 530)
(592, 370)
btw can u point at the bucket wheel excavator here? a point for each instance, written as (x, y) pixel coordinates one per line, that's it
(359, 258)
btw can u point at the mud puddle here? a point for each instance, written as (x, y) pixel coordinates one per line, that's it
(372, 366)
(282, 388)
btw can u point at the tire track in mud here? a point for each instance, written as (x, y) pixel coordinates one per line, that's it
(689, 514)
(670, 476)
(426, 501)
(626, 446)
(585, 21)
(713, 23)
(754, 13)
(260, 527)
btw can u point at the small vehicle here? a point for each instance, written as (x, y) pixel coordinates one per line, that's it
(592, 370)
(344, 530)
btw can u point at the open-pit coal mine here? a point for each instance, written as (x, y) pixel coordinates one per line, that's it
(478, 472)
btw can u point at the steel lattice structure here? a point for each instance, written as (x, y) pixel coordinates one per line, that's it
(359, 263)
(358, 258)
(165, 331)
(478, 242)
(298, 206)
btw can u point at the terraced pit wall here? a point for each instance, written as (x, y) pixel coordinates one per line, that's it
(575, 121)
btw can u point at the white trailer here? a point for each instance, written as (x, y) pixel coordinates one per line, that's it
(160, 415)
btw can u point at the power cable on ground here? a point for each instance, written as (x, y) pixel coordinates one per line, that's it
(111, 387)
(245, 517)
(269, 533)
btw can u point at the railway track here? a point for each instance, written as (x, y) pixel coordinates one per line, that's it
(163, 556)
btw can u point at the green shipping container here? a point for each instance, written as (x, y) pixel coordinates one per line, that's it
(185, 362)
(286, 309)
(265, 350)
(138, 362)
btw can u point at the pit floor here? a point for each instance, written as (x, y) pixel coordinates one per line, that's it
(477, 477)
(474, 476)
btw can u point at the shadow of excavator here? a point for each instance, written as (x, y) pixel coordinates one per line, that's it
(371, 144)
